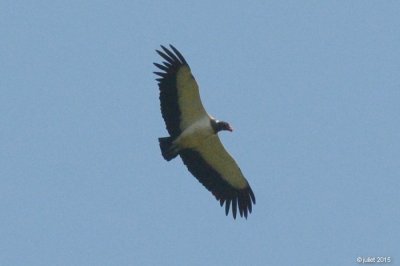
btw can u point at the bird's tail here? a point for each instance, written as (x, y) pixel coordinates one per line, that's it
(167, 148)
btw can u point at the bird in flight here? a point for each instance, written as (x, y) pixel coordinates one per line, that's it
(193, 135)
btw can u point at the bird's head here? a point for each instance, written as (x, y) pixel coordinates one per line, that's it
(222, 125)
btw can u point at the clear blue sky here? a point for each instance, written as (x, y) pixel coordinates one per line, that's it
(312, 89)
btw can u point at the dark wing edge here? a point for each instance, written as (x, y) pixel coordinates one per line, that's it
(241, 199)
(168, 88)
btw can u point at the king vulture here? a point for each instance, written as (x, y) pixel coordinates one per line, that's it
(193, 135)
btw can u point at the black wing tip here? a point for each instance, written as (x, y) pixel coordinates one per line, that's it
(162, 67)
(172, 57)
(173, 61)
(180, 56)
(241, 202)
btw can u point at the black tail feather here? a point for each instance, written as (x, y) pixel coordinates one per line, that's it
(167, 148)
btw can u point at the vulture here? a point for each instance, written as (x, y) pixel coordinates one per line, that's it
(193, 135)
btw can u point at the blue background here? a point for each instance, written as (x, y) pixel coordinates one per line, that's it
(312, 89)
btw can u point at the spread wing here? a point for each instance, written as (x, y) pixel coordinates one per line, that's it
(179, 93)
(215, 168)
